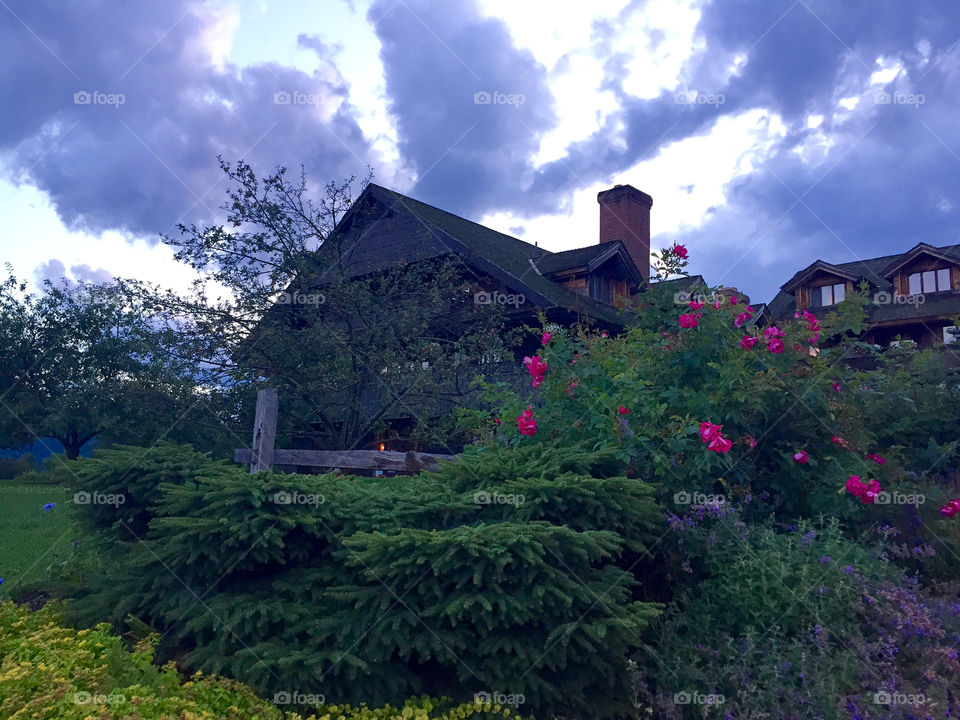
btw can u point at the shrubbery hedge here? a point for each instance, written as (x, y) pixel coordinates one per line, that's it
(501, 573)
(52, 672)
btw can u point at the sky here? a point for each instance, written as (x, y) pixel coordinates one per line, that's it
(770, 133)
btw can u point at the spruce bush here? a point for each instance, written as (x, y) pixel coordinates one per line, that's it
(505, 573)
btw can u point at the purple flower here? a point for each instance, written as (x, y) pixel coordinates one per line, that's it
(674, 522)
(49, 506)
(826, 559)
(847, 570)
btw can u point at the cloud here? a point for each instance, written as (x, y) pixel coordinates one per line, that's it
(519, 118)
(55, 271)
(118, 111)
(85, 273)
(52, 270)
(855, 172)
(469, 107)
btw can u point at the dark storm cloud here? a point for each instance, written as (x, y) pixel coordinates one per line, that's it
(469, 106)
(116, 111)
(890, 178)
(887, 182)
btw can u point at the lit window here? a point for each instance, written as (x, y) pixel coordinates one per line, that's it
(949, 335)
(827, 295)
(929, 281)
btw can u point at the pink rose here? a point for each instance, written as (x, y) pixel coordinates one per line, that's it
(951, 508)
(537, 367)
(526, 423)
(688, 321)
(708, 430)
(720, 444)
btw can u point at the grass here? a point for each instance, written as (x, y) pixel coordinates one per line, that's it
(35, 544)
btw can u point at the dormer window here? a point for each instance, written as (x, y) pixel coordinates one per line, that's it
(930, 281)
(827, 295)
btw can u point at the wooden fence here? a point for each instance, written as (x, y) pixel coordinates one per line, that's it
(264, 455)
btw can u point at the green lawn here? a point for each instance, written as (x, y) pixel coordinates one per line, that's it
(35, 543)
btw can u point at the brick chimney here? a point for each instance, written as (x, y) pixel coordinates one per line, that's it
(625, 216)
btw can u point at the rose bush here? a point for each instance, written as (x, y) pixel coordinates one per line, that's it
(752, 436)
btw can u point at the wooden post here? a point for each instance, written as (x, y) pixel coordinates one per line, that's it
(264, 430)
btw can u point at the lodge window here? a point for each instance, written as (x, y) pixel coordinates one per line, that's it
(601, 289)
(948, 334)
(827, 295)
(930, 281)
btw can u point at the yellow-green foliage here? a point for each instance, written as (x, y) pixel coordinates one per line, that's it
(52, 672)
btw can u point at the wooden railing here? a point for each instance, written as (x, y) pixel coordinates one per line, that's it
(263, 455)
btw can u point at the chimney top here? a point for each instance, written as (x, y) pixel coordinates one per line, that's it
(624, 192)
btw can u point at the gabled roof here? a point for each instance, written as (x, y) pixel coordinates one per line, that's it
(684, 283)
(428, 231)
(950, 253)
(817, 266)
(590, 257)
(781, 306)
(877, 271)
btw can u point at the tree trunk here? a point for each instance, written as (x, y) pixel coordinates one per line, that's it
(73, 442)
